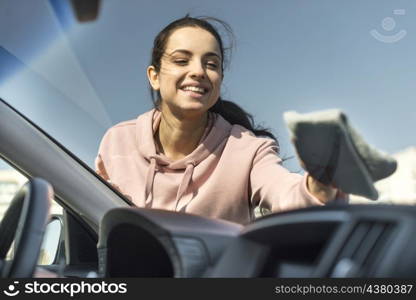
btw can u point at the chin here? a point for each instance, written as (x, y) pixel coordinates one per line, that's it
(194, 110)
(191, 111)
(191, 107)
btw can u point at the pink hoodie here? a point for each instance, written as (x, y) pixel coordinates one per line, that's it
(226, 176)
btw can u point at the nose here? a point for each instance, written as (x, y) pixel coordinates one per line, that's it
(197, 70)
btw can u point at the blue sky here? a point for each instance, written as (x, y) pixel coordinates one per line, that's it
(77, 80)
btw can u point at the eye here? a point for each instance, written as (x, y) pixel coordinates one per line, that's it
(180, 62)
(212, 65)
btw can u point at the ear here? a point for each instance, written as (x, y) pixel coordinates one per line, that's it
(153, 77)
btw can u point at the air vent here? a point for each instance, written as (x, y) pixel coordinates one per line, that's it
(361, 249)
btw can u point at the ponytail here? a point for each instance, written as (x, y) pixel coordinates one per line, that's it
(236, 115)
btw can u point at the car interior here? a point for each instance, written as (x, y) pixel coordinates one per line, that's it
(102, 235)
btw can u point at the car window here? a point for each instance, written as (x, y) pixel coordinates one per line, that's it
(75, 80)
(10, 182)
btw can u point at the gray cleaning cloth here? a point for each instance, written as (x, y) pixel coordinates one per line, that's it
(334, 153)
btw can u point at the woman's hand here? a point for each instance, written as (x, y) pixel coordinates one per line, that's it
(322, 192)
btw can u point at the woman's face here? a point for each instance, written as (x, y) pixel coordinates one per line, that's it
(190, 76)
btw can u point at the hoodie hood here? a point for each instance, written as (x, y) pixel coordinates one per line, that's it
(217, 130)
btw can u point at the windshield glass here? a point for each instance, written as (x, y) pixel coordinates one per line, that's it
(77, 79)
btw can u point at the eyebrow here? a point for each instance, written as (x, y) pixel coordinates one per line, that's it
(190, 53)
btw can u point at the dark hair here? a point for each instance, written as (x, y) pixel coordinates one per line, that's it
(230, 111)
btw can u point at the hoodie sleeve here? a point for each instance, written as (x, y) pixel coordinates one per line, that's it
(100, 160)
(273, 187)
(100, 167)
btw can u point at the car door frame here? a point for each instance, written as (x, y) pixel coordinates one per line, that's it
(83, 195)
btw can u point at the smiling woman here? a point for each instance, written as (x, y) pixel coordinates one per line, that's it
(189, 79)
(195, 152)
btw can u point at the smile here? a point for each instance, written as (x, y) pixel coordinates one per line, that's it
(195, 89)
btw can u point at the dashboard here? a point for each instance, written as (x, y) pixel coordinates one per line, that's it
(331, 241)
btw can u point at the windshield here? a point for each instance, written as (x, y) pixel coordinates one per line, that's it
(77, 79)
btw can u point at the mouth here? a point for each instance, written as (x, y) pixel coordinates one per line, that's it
(194, 89)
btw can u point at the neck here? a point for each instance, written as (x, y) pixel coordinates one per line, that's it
(178, 136)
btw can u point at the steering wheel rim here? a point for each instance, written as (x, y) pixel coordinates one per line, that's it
(25, 222)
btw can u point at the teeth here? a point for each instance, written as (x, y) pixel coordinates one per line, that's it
(194, 89)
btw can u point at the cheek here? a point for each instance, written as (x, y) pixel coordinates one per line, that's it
(170, 74)
(217, 85)
(168, 81)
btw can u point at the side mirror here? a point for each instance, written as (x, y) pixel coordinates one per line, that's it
(52, 245)
(86, 11)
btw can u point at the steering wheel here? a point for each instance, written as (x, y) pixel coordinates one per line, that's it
(24, 222)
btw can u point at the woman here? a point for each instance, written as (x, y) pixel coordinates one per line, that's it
(194, 152)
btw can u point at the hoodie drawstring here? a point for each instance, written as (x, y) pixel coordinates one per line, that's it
(216, 133)
(183, 187)
(150, 177)
(186, 180)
